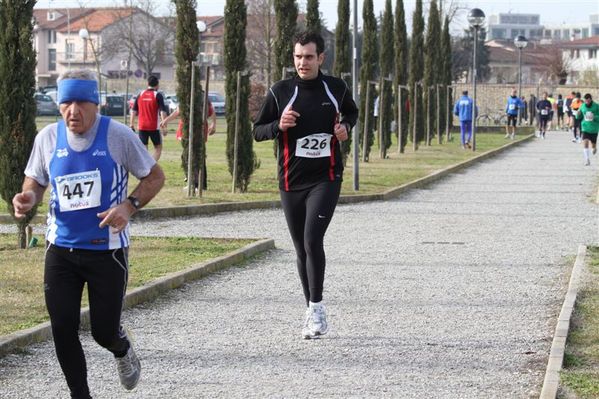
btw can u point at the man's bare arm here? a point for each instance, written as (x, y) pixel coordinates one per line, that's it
(30, 195)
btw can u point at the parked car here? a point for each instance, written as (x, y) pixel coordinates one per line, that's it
(53, 95)
(172, 102)
(46, 89)
(218, 102)
(45, 105)
(112, 105)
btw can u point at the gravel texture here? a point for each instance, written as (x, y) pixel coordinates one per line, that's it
(447, 292)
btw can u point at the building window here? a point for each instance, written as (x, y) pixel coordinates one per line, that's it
(51, 36)
(51, 59)
(69, 50)
(566, 34)
(577, 53)
(498, 33)
(585, 33)
(592, 53)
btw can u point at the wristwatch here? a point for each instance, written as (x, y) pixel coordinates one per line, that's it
(134, 201)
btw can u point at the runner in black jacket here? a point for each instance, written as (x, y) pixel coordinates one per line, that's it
(309, 115)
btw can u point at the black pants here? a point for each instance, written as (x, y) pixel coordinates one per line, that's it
(106, 273)
(308, 214)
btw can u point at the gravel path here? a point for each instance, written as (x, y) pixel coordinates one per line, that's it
(447, 292)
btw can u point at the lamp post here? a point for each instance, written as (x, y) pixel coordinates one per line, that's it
(520, 42)
(476, 18)
(201, 25)
(84, 34)
(354, 87)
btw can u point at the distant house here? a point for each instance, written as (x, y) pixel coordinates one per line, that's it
(582, 58)
(60, 44)
(504, 62)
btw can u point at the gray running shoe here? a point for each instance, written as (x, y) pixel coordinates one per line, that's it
(129, 368)
(594, 150)
(316, 319)
(587, 163)
(307, 323)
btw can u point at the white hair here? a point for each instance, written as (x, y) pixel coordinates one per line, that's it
(82, 74)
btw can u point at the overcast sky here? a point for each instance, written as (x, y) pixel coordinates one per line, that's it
(552, 11)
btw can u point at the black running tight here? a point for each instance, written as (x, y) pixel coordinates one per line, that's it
(308, 213)
(105, 273)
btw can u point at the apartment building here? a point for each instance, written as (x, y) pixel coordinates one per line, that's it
(96, 38)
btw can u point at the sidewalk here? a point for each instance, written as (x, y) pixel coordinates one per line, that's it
(447, 292)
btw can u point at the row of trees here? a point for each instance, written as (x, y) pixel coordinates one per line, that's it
(382, 64)
(17, 106)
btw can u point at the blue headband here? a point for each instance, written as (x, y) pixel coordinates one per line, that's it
(78, 90)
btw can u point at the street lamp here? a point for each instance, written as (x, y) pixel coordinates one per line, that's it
(520, 42)
(201, 25)
(476, 18)
(84, 34)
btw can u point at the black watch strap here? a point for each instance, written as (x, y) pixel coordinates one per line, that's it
(134, 201)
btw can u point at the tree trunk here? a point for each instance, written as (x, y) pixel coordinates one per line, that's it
(22, 235)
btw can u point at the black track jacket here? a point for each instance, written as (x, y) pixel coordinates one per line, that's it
(321, 102)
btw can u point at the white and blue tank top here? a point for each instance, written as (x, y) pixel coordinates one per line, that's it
(85, 183)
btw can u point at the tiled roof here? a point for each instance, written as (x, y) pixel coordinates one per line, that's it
(100, 18)
(93, 19)
(41, 16)
(592, 41)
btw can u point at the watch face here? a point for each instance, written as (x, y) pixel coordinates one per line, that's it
(134, 201)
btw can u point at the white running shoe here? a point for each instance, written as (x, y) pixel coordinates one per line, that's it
(574, 140)
(513, 136)
(129, 368)
(316, 321)
(507, 136)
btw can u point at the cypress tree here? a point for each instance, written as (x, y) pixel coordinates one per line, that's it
(286, 21)
(186, 51)
(17, 105)
(368, 72)
(313, 17)
(401, 67)
(445, 74)
(343, 56)
(235, 60)
(416, 67)
(431, 67)
(386, 64)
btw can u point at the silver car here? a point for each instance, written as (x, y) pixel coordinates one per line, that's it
(45, 105)
(218, 102)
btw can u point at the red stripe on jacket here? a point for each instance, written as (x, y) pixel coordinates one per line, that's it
(286, 160)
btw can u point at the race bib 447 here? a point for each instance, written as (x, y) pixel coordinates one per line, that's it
(79, 190)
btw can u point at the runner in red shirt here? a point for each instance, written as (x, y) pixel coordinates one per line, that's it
(149, 105)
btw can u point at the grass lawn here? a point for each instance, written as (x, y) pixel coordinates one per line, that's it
(580, 376)
(375, 176)
(21, 272)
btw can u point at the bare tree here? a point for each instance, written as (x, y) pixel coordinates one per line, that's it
(558, 66)
(450, 8)
(136, 31)
(260, 39)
